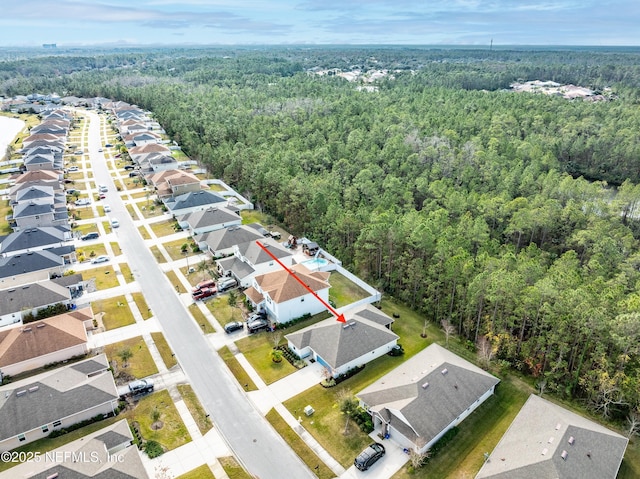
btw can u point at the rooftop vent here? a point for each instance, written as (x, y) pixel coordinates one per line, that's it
(550, 440)
(21, 393)
(34, 389)
(26, 330)
(444, 371)
(41, 325)
(564, 455)
(558, 426)
(571, 440)
(425, 385)
(545, 451)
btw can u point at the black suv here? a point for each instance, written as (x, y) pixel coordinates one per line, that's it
(233, 326)
(90, 236)
(369, 456)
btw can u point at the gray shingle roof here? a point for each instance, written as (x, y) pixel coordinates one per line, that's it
(340, 343)
(194, 199)
(533, 446)
(210, 217)
(28, 263)
(33, 238)
(238, 267)
(24, 210)
(256, 255)
(34, 295)
(34, 192)
(228, 237)
(54, 395)
(429, 391)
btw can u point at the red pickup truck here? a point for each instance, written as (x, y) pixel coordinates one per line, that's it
(203, 293)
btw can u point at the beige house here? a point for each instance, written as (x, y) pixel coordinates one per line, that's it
(51, 340)
(31, 408)
(174, 182)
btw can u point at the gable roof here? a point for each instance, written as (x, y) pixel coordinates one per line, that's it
(533, 446)
(194, 199)
(30, 296)
(148, 148)
(104, 445)
(38, 338)
(35, 192)
(426, 393)
(32, 208)
(254, 254)
(228, 237)
(340, 343)
(28, 263)
(282, 286)
(33, 238)
(36, 175)
(54, 395)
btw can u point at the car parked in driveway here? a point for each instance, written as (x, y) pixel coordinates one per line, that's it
(90, 236)
(82, 202)
(100, 259)
(233, 326)
(256, 325)
(369, 456)
(207, 283)
(203, 293)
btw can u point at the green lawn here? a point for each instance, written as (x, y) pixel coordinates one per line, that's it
(144, 233)
(173, 432)
(167, 355)
(126, 272)
(202, 472)
(104, 276)
(303, 451)
(150, 212)
(197, 276)
(177, 284)
(116, 312)
(221, 310)
(157, 254)
(132, 212)
(116, 248)
(233, 469)
(630, 468)
(343, 291)
(92, 251)
(164, 228)
(141, 303)
(5, 210)
(141, 364)
(236, 369)
(88, 228)
(201, 319)
(195, 408)
(174, 248)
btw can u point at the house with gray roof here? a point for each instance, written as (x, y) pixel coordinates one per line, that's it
(221, 242)
(29, 267)
(249, 260)
(339, 347)
(193, 201)
(548, 441)
(210, 219)
(37, 213)
(33, 407)
(42, 161)
(35, 239)
(30, 298)
(415, 404)
(108, 453)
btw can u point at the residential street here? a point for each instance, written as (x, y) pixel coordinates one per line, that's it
(261, 450)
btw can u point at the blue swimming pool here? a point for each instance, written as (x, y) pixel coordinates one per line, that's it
(315, 263)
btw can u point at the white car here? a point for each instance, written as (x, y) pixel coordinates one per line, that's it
(100, 259)
(73, 168)
(103, 188)
(82, 202)
(115, 223)
(99, 150)
(107, 208)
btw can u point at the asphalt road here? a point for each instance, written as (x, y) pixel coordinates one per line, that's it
(254, 442)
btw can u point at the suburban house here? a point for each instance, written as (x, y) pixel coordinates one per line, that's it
(137, 151)
(17, 302)
(548, 441)
(29, 267)
(282, 296)
(221, 242)
(33, 407)
(415, 404)
(174, 183)
(34, 176)
(141, 138)
(35, 214)
(211, 219)
(47, 341)
(106, 453)
(250, 260)
(154, 162)
(42, 161)
(193, 201)
(44, 137)
(339, 347)
(56, 239)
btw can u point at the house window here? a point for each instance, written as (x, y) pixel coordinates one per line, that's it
(45, 428)
(56, 423)
(21, 437)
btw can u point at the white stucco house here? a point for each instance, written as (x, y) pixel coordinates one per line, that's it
(419, 401)
(366, 335)
(283, 298)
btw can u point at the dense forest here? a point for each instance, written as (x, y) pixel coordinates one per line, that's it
(514, 216)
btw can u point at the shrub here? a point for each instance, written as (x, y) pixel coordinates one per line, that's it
(153, 449)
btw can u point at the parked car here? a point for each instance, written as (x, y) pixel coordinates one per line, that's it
(99, 150)
(79, 152)
(136, 388)
(396, 350)
(108, 145)
(369, 456)
(100, 259)
(82, 202)
(233, 326)
(115, 223)
(102, 196)
(103, 188)
(73, 168)
(207, 283)
(133, 173)
(129, 167)
(256, 316)
(90, 236)
(107, 208)
(257, 325)
(203, 293)
(227, 283)
(71, 191)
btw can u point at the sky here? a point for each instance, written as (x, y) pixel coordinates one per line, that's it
(234, 22)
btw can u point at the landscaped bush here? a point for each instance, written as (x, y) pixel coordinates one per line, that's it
(292, 357)
(153, 449)
(78, 425)
(293, 321)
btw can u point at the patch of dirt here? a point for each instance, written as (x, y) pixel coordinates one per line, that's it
(157, 425)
